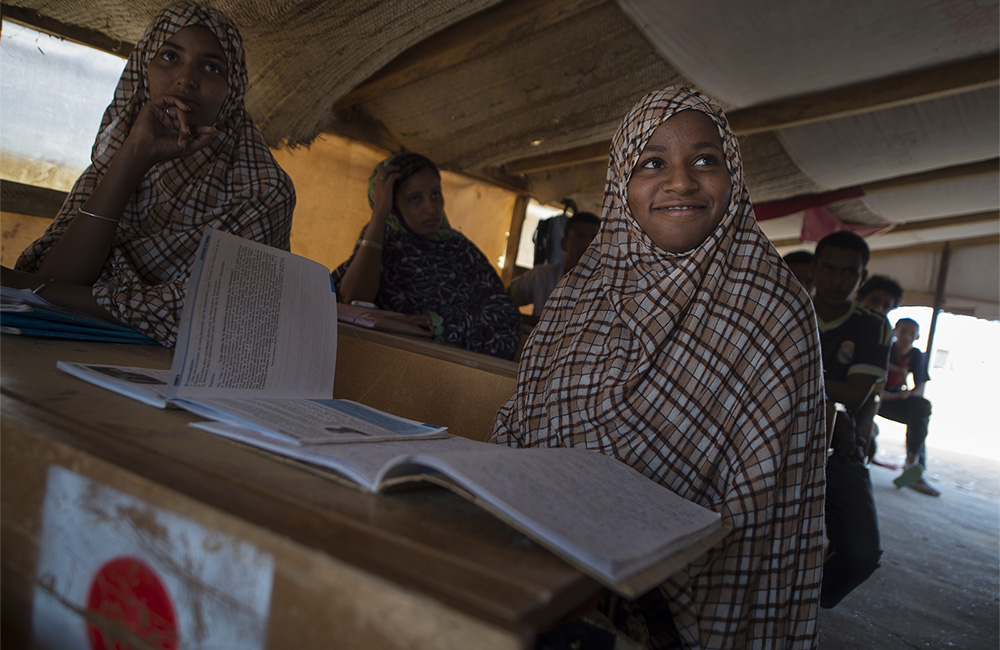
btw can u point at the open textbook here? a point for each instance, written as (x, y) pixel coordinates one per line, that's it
(597, 513)
(256, 347)
(294, 420)
(256, 357)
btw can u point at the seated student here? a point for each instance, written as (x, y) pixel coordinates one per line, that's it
(882, 294)
(408, 259)
(177, 154)
(683, 346)
(800, 262)
(909, 406)
(534, 286)
(855, 344)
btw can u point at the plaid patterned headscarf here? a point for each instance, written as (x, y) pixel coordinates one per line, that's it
(702, 371)
(233, 184)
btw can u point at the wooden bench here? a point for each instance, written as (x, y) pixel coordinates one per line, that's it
(418, 379)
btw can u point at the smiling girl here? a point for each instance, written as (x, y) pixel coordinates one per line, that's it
(177, 154)
(682, 345)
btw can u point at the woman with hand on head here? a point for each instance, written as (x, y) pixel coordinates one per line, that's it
(177, 154)
(410, 260)
(682, 345)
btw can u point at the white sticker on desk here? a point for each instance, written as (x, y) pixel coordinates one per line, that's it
(114, 571)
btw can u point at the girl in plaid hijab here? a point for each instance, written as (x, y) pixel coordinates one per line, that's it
(683, 346)
(177, 154)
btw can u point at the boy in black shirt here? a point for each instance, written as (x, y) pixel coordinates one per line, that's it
(855, 343)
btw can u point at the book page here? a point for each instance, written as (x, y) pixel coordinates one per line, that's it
(257, 322)
(148, 385)
(592, 509)
(358, 462)
(313, 422)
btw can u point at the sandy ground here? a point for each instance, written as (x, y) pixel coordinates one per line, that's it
(939, 583)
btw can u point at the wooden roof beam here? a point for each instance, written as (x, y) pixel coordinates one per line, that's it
(944, 222)
(982, 240)
(566, 158)
(924, 224)
(954, 173)
(908, 88)
(35, 20)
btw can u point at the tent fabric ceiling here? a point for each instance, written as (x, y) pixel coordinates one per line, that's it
(896, 141)
(729, 46)
(489, 88)
(924, 202)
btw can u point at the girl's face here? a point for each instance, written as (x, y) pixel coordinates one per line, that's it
(680, 188)
(191, 66)
(419, 201)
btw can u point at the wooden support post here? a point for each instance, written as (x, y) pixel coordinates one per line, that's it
(942, 278)
(514, 238)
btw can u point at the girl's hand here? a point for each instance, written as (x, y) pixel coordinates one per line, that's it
(163, 132)
(423, 321)
(385, 187)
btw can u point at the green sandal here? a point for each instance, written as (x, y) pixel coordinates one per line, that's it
(909, 475)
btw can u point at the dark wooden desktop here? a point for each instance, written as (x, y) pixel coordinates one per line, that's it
(417, 569)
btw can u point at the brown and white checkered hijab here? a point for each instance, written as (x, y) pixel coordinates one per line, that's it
(702, 371)
(233, 184)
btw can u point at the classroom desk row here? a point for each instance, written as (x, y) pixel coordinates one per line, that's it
(317, 564)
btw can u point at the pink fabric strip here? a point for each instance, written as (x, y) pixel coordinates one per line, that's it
(820, 222)
(775, 209)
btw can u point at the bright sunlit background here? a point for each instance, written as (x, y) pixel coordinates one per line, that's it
(964, 389)
(53, 93)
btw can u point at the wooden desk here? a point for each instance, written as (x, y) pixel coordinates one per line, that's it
(421, 569)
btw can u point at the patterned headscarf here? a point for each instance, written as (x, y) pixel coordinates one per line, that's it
(443, 275)
(408, 164)
(233, 184)
(702, 371)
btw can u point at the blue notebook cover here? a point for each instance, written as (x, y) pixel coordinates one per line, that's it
(28, 317)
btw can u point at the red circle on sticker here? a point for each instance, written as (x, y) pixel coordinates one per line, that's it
(135, 606)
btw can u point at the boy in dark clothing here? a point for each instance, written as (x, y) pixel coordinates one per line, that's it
(882, 294)
(855, 343)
